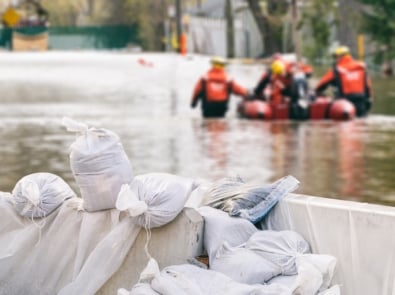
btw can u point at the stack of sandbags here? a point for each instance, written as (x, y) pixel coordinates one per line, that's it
(244, 259)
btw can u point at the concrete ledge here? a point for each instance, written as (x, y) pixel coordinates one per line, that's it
(171, 244)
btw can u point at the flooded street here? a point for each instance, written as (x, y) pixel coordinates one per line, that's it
(145, 99)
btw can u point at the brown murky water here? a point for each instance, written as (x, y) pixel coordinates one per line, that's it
(147, 105)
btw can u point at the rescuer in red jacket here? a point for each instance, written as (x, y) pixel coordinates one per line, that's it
(280, 79)
(350, 79)
(214, 90)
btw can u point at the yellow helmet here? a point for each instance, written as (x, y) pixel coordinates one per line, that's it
(218, 61)
(341, 50)
(278, 67)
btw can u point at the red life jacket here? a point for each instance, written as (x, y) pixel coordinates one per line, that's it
(278, 84)
(351, 77)
(216, 86)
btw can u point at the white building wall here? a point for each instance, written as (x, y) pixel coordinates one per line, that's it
(208, 36)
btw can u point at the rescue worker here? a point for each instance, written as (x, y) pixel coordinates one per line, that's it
(214, 90)
(305, 68)
(284, 86)
(294, 66)
(350, 79)
(279, 78)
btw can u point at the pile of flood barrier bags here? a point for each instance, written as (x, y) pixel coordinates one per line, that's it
(55, 242)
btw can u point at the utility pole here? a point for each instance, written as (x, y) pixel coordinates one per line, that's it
(230, 32)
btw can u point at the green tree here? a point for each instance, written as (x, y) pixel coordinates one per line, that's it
(149, 15)
(319, 17)
(378, 23)
(63, 13)
(270, 22)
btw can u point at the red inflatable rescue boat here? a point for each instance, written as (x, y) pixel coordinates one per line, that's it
(321, 108)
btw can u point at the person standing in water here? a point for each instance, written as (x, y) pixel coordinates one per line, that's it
(350, 79)
(213, 90)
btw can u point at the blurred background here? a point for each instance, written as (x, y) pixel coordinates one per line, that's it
(130, 66)
(232, 28)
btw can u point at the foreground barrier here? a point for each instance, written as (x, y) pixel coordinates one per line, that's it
(173, 243)
(361, 236)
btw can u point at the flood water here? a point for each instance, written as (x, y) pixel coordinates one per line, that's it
(144, 98)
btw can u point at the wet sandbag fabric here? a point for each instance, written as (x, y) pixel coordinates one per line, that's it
(154, 199)
(39, 194)
(99, 164)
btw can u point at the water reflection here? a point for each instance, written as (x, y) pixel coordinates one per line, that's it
(215, 145)
(384, 96)
(30, 148)
(333, 159)
(351, 161)
(149, 109)
(327, 157)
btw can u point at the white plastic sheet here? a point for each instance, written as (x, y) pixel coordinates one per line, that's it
(74, 252)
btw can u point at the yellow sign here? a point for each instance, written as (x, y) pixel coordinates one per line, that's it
(11, 17)
(174, 41)
(361, 49)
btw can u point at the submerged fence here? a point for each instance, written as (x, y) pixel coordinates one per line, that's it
(67, 38)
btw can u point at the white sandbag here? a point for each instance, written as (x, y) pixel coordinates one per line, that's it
(326, 265)
(280, 247)
(154, 199)
(196, 198)
(142, 289)
(39, 194)
(219, 227)
(287, 281)
(99, 164)
(244, 265)
(314, 274)
(187, 279)
(309, 279)
(334, 290)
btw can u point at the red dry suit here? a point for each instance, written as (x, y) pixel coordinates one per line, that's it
(280, 85)
(351, 81)
(305, 68)
(214, 91)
